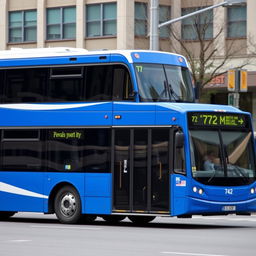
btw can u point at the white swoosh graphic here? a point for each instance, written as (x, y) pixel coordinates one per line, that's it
(47, 106)
(19, 191)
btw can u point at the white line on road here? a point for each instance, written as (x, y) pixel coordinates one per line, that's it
(62, 227)
(191, 254)
(18, 241)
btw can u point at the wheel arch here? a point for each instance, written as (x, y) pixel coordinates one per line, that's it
(54, 192)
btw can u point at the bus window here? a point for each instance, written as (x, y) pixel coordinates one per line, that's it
(179, 154)
(122, 86)
(21, 150)
(97, 150)
(99, 83)
(65, 150)
(66, 84)
(2, 72)
(79, 150)
(25, 85)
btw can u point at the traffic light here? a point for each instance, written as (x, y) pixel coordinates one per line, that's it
(231, 80)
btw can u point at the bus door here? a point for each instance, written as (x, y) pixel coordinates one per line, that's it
(141, 170)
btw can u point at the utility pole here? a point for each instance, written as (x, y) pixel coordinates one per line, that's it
(154, 19)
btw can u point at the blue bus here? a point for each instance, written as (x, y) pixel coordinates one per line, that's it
(117, 134)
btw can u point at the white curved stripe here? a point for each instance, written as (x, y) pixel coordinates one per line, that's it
(48, 106)
(4, 187)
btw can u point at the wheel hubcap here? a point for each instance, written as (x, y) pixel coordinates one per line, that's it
(68, 205)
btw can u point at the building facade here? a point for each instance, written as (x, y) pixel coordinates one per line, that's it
(124, 24)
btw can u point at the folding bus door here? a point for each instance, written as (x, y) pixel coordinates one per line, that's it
(141, 170)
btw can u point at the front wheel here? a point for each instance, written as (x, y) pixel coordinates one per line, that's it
(67, 205)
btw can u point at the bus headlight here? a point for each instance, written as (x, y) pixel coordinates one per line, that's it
(200, 191)
(253, 190)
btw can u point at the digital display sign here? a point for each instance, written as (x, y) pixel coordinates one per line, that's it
(210, 119)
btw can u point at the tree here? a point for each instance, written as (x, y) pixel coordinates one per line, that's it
(204, 48)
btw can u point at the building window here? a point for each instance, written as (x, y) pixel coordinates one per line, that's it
(22, 26)
(141, 16)
(199, 26)
(164, 15)
(101, 20)
(61, 23)
(236, 19)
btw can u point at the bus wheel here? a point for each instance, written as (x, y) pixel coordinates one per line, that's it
(67, 205)
(6, 215)
(113, 218)
(141, 219)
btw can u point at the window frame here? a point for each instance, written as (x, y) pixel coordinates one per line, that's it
(237, 22)
(191, 25)
(143, 20)
(102, 20)
(23, 27)
(61, 24)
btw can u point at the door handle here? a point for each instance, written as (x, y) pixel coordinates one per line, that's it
(125, 170)
(160, 171)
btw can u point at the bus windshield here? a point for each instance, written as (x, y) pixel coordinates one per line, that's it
(159, 82)
(222, 158)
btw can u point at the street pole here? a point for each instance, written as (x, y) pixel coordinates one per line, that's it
(154, 21)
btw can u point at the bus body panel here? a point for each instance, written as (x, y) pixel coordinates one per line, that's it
(22, 191)
(132, 113)
(98, 193)
(91, 114)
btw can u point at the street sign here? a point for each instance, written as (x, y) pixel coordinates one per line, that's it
(231, 80)
(243, 81)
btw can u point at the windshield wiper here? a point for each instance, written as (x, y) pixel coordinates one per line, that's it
(174, 95)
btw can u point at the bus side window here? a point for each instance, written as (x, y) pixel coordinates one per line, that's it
(2, 72)
(66, 84)
(25, 85)
(122, 86)
(21, 150)
(99, 83)
(179, 155)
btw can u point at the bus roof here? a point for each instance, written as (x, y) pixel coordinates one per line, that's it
(132, 56)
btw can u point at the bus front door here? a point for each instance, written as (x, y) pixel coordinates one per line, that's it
(141, 170)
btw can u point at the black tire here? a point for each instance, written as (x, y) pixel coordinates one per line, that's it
(6, 215)
(141, 219)
(67, 205)
(113, 219)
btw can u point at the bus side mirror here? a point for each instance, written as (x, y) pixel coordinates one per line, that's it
(179, 139)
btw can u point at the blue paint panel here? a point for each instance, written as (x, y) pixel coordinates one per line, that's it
(97, 205)
(179, 191)
(133, 113)
(159, 57)
(18, 185)
(98, 184)
(91, 115)
(46, 61)
(98, 190)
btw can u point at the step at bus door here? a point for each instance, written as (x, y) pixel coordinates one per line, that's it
(141, 170)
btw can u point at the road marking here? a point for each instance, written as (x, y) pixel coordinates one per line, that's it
(62, 227)
(18, 241)
(191, 254)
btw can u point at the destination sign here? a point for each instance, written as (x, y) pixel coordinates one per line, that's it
(217, 120)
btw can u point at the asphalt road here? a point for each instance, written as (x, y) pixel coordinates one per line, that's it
(41, 235)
